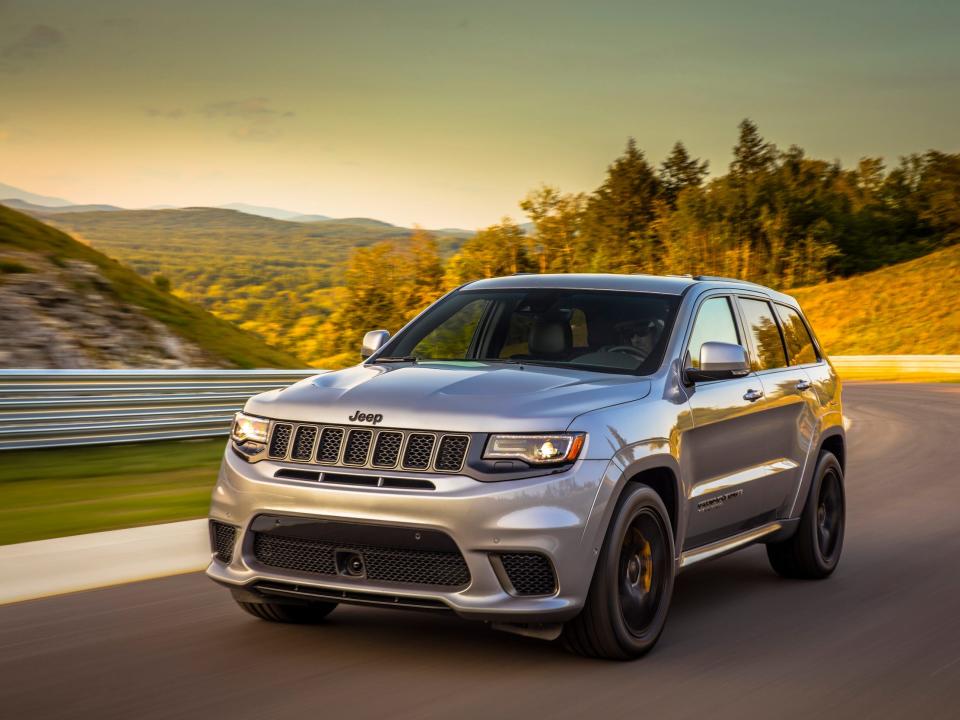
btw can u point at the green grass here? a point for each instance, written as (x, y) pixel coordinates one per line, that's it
(218, 337)
(68, 491)
(906, 309)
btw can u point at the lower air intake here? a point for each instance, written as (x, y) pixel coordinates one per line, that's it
(222, 539)
(529, 573)
(316, 550)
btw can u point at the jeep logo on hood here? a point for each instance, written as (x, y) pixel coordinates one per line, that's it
(366, 417)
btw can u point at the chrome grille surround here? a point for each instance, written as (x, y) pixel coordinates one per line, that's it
(365, 447)
(328, 450)
(357, 450)
(386, 452)
(303, 442)
(418, 451)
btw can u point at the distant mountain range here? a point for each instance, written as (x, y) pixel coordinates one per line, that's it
(38, 209)
(15, 193)
(42, 205)
(275, 213)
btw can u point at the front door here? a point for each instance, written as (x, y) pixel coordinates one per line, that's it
(729, 446)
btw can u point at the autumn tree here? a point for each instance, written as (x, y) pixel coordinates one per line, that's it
(554, 243)
(497, 250)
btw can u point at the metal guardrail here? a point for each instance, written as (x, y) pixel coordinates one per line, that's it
(897, 367)
(57, 408)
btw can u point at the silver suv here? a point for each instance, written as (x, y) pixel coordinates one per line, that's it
(542, 452)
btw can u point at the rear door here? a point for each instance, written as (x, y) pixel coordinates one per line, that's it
(729, 443)
(789, 400)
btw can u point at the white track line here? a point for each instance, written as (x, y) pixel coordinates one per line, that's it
(81, 562)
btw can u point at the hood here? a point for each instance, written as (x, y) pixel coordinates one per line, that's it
(462, 397)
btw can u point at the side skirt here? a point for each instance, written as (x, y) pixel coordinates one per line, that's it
(772, 531)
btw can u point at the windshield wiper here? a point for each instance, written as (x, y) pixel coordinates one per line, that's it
(405, 358)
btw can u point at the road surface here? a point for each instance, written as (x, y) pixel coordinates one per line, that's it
(880, 639)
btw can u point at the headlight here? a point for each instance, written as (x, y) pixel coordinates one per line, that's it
(247, 428)
(535, 449)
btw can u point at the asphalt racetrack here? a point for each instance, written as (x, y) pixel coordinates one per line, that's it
(880, 639)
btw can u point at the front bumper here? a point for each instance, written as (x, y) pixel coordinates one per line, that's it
(552, 515)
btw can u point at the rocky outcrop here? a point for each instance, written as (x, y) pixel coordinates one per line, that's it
(64, 315)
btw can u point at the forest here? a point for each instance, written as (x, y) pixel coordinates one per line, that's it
(776, 217)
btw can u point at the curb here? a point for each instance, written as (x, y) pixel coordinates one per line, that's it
(42, 568)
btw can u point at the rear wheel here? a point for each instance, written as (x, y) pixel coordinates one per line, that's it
(629, 597)
(285, 613)
(814, 549)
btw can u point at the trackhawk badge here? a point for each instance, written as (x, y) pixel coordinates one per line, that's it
(366, 417)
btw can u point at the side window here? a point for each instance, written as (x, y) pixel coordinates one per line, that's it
(451, 339)
(799, 343)
(758, 317)
(714, 323)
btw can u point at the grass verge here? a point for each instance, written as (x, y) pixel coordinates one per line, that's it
(68, 491)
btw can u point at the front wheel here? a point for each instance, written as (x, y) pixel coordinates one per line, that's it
(629, 597)
(813, 551)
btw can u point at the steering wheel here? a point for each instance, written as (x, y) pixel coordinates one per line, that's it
(627, 350)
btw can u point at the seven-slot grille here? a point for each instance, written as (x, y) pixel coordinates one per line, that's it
(363, 447)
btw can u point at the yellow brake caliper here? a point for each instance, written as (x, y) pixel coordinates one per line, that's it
(647, 566)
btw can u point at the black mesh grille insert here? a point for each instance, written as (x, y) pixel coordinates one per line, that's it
(358, 447)
(280, 440)
(382, 564)
(222, 539)
(451, 452)
(387, 449)
(417, 454)
(329, 448)
(529, 573)
(303, 442)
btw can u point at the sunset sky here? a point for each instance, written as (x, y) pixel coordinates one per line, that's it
(446, 113)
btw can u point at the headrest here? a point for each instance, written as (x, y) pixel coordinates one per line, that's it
(550, 335)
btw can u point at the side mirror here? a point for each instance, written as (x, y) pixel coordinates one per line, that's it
(720, 361)
(373, 341)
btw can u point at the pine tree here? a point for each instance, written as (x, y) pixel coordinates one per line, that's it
(620, 212)
(752, 154)
(679, 172)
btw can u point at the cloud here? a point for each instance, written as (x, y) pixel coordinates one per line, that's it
(256, 133)
(39, 41)
(249, 109)
(169, 114)
(254, 119)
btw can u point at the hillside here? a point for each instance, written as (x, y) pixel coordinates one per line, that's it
(910, 308)
(269, 276)
(68, 305)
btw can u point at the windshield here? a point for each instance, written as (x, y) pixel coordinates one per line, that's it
(593, 330)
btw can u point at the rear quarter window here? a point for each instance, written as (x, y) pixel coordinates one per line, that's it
(761, 326)
(800, 347)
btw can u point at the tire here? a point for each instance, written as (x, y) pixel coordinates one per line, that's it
(813, 551)
(289, 613)
(626, 607)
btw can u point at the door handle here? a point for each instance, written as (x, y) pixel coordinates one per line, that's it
(753, 395)
(803, 385)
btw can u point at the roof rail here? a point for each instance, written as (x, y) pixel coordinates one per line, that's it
(720, 278)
